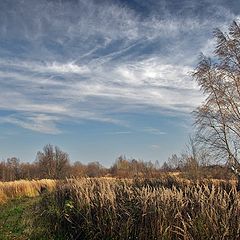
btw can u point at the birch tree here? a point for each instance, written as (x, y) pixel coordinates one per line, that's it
(218, 118)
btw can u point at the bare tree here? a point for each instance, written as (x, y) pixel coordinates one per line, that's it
(94, 169)
(78, 169)
(174, 162)
(14, 171)
(52, 162)
(218, 119)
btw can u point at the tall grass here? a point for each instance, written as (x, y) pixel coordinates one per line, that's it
(24, 188)
(153, 209)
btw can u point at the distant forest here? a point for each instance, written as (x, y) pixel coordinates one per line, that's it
(53, 163)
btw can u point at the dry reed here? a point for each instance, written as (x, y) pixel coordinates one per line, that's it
(137, 209)
(24, 188)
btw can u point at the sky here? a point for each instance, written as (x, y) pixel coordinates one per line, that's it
(103, 78)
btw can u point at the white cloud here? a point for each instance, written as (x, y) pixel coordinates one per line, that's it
(36, 122)
(154, 131)
(155, 146)
(209, 47)
(94, 94)
(66, 68)
(119, 132)
(88, 60)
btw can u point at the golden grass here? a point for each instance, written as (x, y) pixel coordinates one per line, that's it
(110, 208)
(144, 209)
(24, 188)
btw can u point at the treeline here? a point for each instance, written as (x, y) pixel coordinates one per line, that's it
(53, 163)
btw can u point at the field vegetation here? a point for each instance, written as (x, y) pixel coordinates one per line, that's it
(165, 208)
(24, 188)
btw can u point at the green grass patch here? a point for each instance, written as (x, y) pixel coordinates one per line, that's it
(16, 220)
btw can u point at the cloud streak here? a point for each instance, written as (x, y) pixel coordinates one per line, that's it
(35, 122)
(79, 60)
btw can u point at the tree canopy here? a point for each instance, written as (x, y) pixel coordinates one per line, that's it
(218, 118)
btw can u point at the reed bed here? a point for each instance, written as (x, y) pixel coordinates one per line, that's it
(143, 209)
(24, 188)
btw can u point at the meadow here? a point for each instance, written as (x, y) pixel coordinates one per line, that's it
(24, 188)
(143, 209)
(18, 203)
(110, 208)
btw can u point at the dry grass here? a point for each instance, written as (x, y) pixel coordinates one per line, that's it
(143, 209)
(24, 188)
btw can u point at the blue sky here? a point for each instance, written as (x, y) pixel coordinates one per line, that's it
(103, 78)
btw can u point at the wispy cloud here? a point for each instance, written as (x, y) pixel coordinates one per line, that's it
(154, 131)
(84, 60)
(36, 122)
(155, 146)
(119, 132)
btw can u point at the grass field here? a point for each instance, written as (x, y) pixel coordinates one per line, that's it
(167, 208)
(24, 188)
(143, 209)
(15, 216)
(18, 204)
